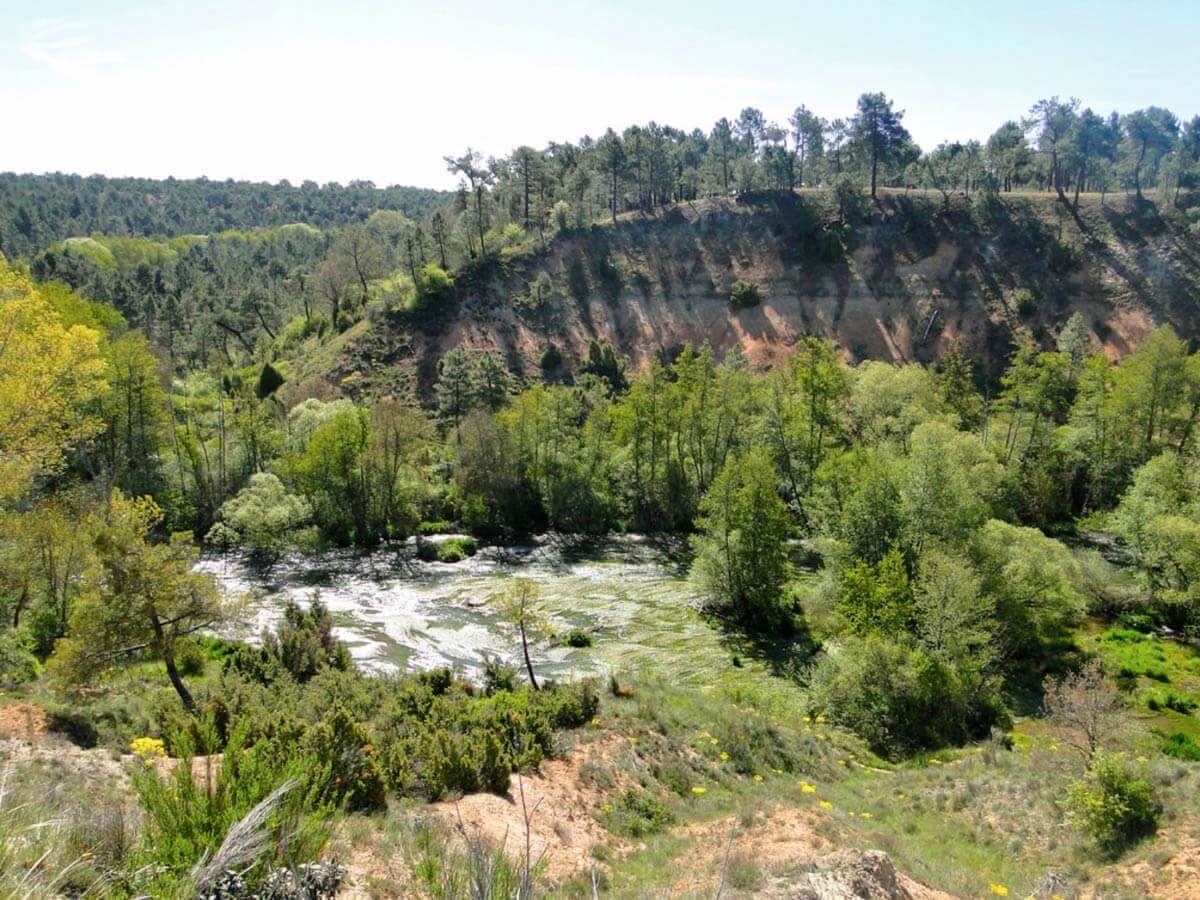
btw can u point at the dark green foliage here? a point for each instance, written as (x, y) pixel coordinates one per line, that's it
(744, 294)
(450, 550)
(269, 381)
(577, 637)
(17, 663)
(602, 362)
(1113, 805)
(301, 646)
(551, 359)
(72, 724)
(343, 769)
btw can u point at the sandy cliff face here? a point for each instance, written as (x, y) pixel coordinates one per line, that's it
(897, 281)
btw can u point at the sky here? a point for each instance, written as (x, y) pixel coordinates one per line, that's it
(339, 90)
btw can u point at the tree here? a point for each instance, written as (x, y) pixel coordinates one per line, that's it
(613, 161)
(1007, 155)
(519, 610)
(1149, 133)
(49, 374)
(455, 386)
(1050, 122)
(478, 180)
(741, 558)
(1085, 709)
(877, 131)
(489, 381)
(263, 517)
(808, 136)
(139, 597)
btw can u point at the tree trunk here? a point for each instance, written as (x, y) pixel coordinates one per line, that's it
(177, 683)
(528, 661)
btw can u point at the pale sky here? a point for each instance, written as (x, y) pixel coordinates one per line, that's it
(336, 91)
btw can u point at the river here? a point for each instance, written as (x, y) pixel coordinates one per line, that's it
(398, 613)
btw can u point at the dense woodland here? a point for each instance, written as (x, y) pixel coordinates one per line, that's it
(145, 411)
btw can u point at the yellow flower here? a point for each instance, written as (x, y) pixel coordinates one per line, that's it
(1142, 759)
(935, 762)
(807, 719)
(807, 788)
(758, 778)
(865, 815)
(852, 812)
(713, 741)
(699, 790)
(821, 719)
(825, 804)
(902, 797)
(724, 756)
(999, 890)
(632, 739)
(841, 762)
(147, 748)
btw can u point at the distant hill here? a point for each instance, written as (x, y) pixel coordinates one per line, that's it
(38, 210)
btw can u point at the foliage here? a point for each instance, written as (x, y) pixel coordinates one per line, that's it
(744, 294)
(902, 699)
(741, 561)
(49, 374)
(264, 518)
(1113, 805)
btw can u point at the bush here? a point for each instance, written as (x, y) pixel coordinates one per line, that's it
(301, 646)
(744, 294)
(343, 769)
(187, 818)
(637, 814)
(1112, 805)
(17, 664)
(434, 289)
(75, 725)
(577, 637)
(1025, 301)
(1181, 746)
(901, 699)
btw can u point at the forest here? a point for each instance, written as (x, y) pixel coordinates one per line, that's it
(929, 573)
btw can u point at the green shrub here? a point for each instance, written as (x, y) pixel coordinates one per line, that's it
(17, 664)
(343, 768)
(1112, 805)
(434, 289)
(1181, 746)
(74, 725)
(450, 550)
(577, 637)
(189, 811)
(301, 646)
(744, 294)
(637, 814)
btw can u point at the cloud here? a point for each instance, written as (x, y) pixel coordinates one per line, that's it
(65, 47)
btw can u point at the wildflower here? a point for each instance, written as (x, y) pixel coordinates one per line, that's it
(821, 719)
(699, 790)
(825, 804)
(935, 762)
(713, 741)
(865, 815)
(841, 762)
(999, 890)
(807, 719)
(1142, 759)
(148, 748)
(902, 797)
(807, 788)
(632, 739)
(758, 778)
(852, 812)
(1054, 746)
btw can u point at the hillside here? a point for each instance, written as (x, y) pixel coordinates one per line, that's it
(896, 282)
